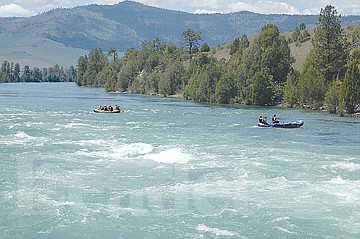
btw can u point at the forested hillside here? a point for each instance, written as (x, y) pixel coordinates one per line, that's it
(259, 70)
(60, 35)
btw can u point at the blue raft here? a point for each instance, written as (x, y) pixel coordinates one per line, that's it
(294, 124)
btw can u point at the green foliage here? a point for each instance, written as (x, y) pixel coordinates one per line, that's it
(350, 90)
(10, 72)
(269, 54)
(241, 44)
(300, 34)
(191, 40)
(320, 82)
(305, 36)
(26, 76)
(205, 75)
(302, 26)
(262, 89)
(113, 53)
(258, 72)
(356, 35)
(291, 93)
(96, 62)
(269, 50)
(332, 97)
(205, 47)
(81, 69)
(312, 87)
(223, 91)
(234, 46)
(296, 34)
(330, 49)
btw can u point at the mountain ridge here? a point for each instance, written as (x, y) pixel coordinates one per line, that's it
(125, 25)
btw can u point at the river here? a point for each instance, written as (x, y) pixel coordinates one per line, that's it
(168, 168)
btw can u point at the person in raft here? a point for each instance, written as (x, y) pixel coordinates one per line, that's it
(274, 120)
(263, 120)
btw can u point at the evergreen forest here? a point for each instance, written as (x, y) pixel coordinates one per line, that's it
(259, 71)
(11, 72)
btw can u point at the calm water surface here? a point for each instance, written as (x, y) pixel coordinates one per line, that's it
(168, 168)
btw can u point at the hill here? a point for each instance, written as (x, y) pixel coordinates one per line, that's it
(60, 36)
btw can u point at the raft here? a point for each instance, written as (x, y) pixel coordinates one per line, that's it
(294, 124)
(106, 111)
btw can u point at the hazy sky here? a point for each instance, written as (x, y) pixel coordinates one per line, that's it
(344, 7)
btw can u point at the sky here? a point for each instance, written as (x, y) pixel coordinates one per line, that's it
(10, 8)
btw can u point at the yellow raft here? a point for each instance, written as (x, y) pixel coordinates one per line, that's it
(106, 111)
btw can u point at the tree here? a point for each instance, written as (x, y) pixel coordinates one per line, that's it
(305, 36)
(330, 49)
(261, 88)
(81, 69)
(36, 75)
(192, 38)
(356, 37)
(26, 76)
(302, 26)
(234, 46)
(5, 72)
(205, 47)
(312, 87)
(270, 53)
(291, 95)
(17, 72)
(350, 90)
(296, 34)
(71, 74)
(242, 44)
(332, 97)
(223, 90)
(96, 62)
(113, 52)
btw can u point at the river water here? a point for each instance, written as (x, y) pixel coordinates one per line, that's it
(168, 168)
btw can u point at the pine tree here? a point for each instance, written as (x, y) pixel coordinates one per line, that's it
(330, 49)
(350, 90)
(332, 96)
(192, 39)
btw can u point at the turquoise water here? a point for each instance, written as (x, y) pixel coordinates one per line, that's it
(168, 168)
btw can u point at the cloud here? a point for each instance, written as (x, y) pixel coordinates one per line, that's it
(265, 7)
(344, 7)
(226, 6)
(12, 9)
(204, 11)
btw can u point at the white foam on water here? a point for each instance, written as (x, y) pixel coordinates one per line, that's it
(97, 142)
(278, 183)
(114, 151)
(22, 138)
(284, 230)
(14, 125)
(339, 180)
(133, 149)
(170, 156)
(216, 231)
(23, 135)
(346, 190)
(279, 219)
(77, 125)
(350, 166)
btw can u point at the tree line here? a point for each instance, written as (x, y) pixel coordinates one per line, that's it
(11, 72)
(259, 71)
